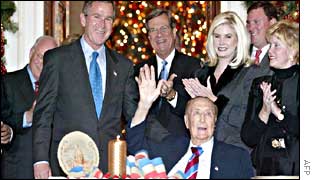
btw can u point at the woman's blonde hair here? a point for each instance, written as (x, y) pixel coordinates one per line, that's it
(287, 32)
(243, 41)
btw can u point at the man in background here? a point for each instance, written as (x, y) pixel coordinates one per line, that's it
(172, 66)
(18, 99)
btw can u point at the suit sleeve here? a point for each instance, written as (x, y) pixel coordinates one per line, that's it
(253, 128)
(131, 94)
(8, 116)
(45, 108)
(247, 170)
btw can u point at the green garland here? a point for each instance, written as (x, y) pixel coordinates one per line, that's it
(7, 10)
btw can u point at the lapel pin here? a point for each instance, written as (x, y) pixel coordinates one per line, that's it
(216, 168)
(115, 74)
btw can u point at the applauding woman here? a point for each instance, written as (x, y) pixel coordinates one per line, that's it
(272, 119)
(222, 77)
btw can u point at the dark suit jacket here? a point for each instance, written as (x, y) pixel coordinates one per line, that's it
(173, 118)
(230, 121)
(65, 102)
(17, 96)
(227, 161)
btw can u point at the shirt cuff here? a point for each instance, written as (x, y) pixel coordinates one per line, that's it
(25, 124)
(41, 162)
(135, 124)
(174, 101)
(11, 137)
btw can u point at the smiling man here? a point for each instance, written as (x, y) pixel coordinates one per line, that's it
(216, 159)
(172, 66)
(85, 86)
(260, 16)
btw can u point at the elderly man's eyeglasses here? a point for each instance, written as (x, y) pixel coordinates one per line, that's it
(163, 30)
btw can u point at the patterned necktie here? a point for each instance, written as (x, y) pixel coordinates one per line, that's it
(96, 84)
(191, 169)
(258, 52)
(163, 75)
(36, 88)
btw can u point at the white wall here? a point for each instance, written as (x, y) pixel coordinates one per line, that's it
(236, 6)
(30, 18)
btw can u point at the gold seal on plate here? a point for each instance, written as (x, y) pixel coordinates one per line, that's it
(78, 154)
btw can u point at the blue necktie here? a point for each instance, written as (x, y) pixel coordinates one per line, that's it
(96, 84)
(163, 75)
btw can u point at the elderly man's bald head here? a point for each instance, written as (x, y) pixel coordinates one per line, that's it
(199, 98)
(200, 117)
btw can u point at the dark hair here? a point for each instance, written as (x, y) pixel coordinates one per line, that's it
(159, 12)
(88, 4)
(269, 9)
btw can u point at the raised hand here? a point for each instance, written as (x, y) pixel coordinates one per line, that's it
(269, 104)
(148, 90)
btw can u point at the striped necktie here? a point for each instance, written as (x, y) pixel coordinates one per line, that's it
(96, 84)
(191, 169)
(36, 91)
(258, 52)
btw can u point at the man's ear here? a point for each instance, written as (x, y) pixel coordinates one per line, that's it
(31, 52)
(186, 121)
(82, 19)
(272, 21)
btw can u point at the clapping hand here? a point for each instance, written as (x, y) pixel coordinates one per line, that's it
(269, 104)
(194, 88)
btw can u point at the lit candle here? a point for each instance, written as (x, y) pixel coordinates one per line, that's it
(117, 153)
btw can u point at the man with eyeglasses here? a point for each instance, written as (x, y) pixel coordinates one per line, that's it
(85, 87)
(172, 66)
(18, 99)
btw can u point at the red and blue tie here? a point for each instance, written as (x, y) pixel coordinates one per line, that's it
(191, 169)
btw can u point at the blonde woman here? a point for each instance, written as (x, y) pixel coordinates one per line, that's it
(227, 48)
(272, 120)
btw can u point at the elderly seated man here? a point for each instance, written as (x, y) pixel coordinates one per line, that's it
(201, 156)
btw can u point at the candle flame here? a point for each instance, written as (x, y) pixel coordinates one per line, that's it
(118, 137)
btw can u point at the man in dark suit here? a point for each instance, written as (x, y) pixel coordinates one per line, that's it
(71, 100)
(170, 107)
(260, 16)
(218, 160)
(18, 96)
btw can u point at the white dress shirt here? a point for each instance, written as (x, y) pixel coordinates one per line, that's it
(101, 59)
(264, 50)
(204, 161)
(169, 60)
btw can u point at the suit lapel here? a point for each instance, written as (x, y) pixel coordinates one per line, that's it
(80, 74)
(217, 154)
(112, 75)
(26, 89)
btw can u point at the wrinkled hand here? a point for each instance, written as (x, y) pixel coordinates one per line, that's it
(167, 86)
(42, 171)
(29, 113)
(148, 90)
(6, 133)
(194, 88)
